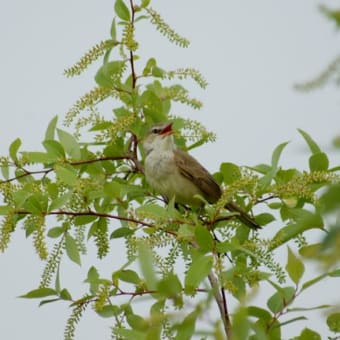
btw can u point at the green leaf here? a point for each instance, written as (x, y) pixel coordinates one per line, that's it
(277, 154)
(147, 265)
(66, 174)
(231, 172)
(93, 280)
(121, 232)
(302, 309)
(261, 168)
(313, 281)
(268, 177)
(186, 328)
(129, 275)
(69, 144)
(101, 126)
(129, 334)
(294, 267)
(333, 322)
(55, 232)
(149, 66)
(204, 239)
(305, 220)
(264, 218)
(13, 149)
(281, 299)
(259, 313)
(137, 322)
(5, 171)
(4, 209)
(109, 311)
(334, 273)
(225, 246)
(153, 105)
(72, 249)
(38, 157)
(121, 10)
(49, 135)
(314, 148)
(241, 324)
(113, 30)
(284, 176)
(185, 232)
(60, 201)
(145, 3)
(84, 219)
(169, 286)
(92, 275)
(330, 200)
(107, 73)
(308, 334)
(39, 293)
(113, 189)
(45, 302)
(153, 210)
(311, 250)
(157, 72)
(299, 318)
(331, 14)
(318, 162)
(36, 203)
(197, 272)
(54, 149)
(65, 295)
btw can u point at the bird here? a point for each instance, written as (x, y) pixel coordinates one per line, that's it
(174, 173)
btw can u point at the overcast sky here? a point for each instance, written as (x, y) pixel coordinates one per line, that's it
(250, 52)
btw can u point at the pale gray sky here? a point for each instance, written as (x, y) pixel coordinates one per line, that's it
(251, 53)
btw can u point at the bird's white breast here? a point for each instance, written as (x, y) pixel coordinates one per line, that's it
(163, 175)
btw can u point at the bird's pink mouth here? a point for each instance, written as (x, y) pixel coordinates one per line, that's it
(167, 130)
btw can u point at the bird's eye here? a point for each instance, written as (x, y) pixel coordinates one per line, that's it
(156, 130)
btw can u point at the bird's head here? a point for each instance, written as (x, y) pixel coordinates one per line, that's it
(159, 137)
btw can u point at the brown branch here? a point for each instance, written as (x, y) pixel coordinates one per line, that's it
(132, 63)
(220, 298)
(133, 294)
(27, 173)
(98, 214)
(261, 200)
(100, 159)
(133, 157)
(221, 303)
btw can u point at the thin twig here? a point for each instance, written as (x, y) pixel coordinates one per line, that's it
(27, 173)
(133, 157)
(132, 63)
(98, 214)
(261, 200)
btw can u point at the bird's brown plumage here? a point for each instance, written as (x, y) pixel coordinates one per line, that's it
(190, 168)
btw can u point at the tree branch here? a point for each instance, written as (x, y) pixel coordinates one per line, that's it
(132, 63)
(98, 214)
(220, 299)
(132, 157)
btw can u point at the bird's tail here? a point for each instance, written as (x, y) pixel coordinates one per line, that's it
(244, 217)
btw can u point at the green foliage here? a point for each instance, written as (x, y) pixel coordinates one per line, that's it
(88, 187)
(333, 322)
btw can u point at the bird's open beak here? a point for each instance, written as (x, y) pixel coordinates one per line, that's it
(167, 130)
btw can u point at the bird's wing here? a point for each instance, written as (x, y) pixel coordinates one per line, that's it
(191, 169)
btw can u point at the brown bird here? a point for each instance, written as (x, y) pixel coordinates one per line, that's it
(174, 173)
